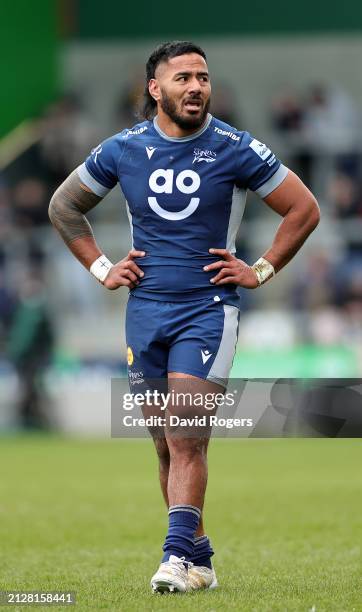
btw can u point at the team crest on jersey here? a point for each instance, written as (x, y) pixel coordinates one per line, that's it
(204, 155)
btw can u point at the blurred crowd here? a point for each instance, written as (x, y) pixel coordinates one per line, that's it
(27, 331)
(321, 129)
(317, 132)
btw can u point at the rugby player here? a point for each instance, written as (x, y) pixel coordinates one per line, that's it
(184, 175)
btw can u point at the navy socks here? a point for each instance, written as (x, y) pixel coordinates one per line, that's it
(180, 540)
(183, 522)
(202, 552)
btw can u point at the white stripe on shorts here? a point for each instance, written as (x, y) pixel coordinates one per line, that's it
(220, 369)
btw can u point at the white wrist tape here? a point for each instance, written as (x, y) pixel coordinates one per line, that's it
(100, 268)
(263, 270)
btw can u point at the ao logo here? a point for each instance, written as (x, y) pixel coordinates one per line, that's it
(161, 181)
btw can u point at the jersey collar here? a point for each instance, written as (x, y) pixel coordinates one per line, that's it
(182, 138)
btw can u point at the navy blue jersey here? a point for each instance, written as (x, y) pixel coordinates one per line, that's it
(184, 196)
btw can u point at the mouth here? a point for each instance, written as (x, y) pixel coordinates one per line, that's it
(193, 105)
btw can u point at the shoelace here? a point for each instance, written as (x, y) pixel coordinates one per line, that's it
(179, 565)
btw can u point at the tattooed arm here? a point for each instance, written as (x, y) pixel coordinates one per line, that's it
(67, 210)
(68, 206)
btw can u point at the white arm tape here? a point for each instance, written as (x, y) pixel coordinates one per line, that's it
(100, 268)
(263, 270)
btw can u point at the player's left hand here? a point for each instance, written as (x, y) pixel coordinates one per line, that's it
(232, 270)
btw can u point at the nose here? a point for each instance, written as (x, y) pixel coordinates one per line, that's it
(194, 85)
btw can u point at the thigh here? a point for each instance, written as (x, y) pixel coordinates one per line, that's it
(147, 351)
(147, 355)
(193, 401)
(204, 344)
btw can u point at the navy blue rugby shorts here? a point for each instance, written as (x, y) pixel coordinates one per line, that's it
(197, 338)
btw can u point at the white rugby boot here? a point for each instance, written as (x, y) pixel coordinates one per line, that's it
(200, 577)
(171, 576)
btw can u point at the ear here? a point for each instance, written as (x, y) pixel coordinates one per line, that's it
(154, 89)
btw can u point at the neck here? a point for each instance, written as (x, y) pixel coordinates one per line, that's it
(170, 128)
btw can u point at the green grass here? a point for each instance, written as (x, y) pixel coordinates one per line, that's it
(284, 517)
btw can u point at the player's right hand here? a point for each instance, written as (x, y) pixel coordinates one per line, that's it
(125, 273)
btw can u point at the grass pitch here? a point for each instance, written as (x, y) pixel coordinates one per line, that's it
(284, 517)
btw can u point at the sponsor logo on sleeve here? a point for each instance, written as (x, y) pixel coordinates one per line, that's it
(260, 149)
(272, 160)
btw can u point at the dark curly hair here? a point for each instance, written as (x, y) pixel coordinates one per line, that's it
(162, 53)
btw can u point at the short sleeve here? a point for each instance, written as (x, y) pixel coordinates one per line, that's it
(99, 171)
(257, 168)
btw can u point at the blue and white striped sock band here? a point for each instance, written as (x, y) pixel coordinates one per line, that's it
(200, 540)
(185, 508)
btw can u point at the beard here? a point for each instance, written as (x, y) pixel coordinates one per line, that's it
(185, 123)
